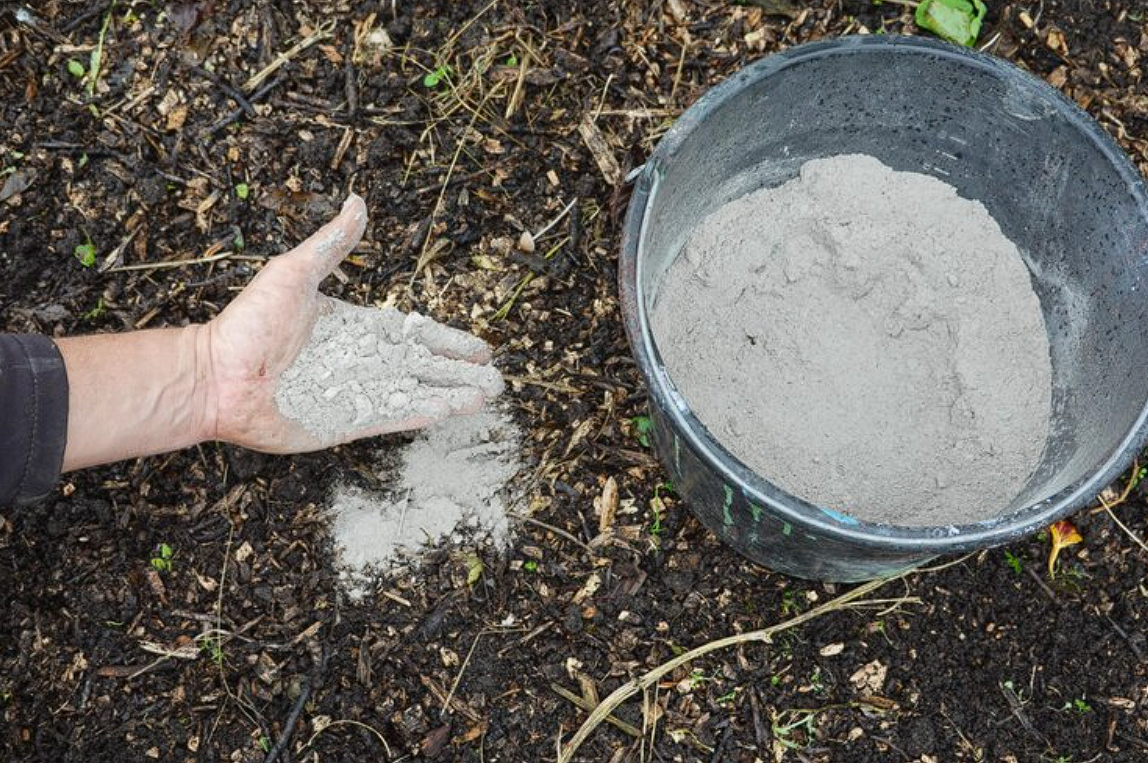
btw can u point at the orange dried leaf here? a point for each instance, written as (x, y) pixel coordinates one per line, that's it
(1063, 534)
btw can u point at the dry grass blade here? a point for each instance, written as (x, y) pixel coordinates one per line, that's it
(423, 259)
(348, 722)
(281, 60)
(1133, 481)
(1126, 529)
(580, 702)
(644, 682)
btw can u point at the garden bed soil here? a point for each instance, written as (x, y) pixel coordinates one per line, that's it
(243, 646)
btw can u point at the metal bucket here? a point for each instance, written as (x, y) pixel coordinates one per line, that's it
(1059, 186)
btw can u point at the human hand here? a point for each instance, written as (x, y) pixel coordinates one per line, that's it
(253, 345)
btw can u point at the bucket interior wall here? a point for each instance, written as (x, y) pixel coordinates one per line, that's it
(1002, 141)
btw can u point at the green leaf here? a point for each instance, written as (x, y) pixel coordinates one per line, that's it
(512, 60)
(642, 427)
(432, 79)
(86, 254)
(75, 68)
(165, 551)
(957, 21)
(242, 191)
(473, 569)
(530, 566)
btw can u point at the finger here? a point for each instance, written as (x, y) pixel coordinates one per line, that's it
(447, 373)
(445, 341)
(323, 251)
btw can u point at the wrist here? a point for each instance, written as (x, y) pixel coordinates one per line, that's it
(204, 397)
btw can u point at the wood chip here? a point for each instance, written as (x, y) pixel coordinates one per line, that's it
(244, 552)
(600, 150)
(607, 505)
(588, 589)
(870, 677)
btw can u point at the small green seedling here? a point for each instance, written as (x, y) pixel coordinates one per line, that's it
(512, 60)
(789, 723)
(698, 678)
(1012, 560)
(76, 69)
(264, 743)
(97, 311)
(530, 566)
(162, 560)
(97, 56)
(213, 645)
(1078, 706)
(242, 191)
(474, 570)
(728, 697)
(957, 21)
(433, 78)
(643, 426)
(86, 252)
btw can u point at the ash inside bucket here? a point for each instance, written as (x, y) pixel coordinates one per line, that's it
(865, 339)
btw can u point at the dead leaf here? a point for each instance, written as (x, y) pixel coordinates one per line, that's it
(203, 209)
(434, 741)
(17, 182)
(155, 583)
(1062, 534)
(471, 734)
(830, 650)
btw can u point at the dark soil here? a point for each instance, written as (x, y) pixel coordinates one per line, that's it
(247, 637)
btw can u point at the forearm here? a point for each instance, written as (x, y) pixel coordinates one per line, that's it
(136, 394)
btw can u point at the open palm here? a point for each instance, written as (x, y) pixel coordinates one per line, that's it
(259, 335)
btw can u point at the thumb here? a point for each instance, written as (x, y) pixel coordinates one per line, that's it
(325, 249)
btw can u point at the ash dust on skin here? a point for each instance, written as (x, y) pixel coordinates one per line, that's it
(76, 573)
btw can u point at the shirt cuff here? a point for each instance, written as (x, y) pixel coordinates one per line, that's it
(33, 417)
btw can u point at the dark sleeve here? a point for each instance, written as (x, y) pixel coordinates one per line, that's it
(33, 417)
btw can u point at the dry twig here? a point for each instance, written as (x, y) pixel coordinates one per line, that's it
(650, 678)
